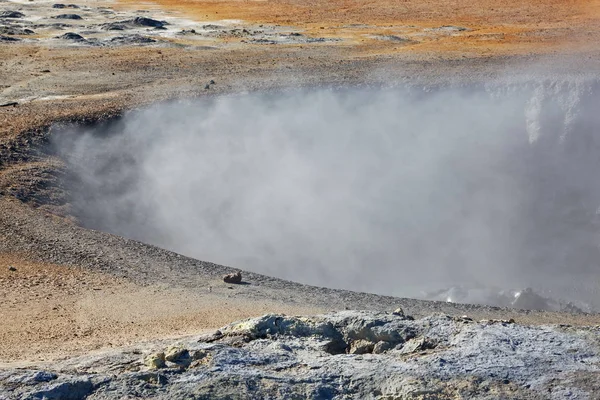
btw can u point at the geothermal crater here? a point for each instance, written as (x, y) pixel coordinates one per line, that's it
(456, 194)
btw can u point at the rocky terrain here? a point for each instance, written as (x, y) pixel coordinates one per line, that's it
(348, 354)
(87, 314)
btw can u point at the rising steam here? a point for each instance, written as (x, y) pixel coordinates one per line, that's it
(388, 191)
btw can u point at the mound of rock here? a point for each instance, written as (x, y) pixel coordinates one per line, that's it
(9, 30)
(8, 39)
(143, 21)
(71, 36)
(131, 39)
(343, 355)
(11, 14)
(68, 16)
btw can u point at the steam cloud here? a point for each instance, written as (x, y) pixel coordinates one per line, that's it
(388, 191)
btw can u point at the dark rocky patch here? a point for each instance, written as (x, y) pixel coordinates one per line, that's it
(114, 26)
(11, 14)
(9, 30)
(8, 39)
(58, 5)
(132, 39)
(68, 16)
(71, 36)
(212, 27)
(143, 21)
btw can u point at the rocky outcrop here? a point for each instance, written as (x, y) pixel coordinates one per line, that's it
(351, 354)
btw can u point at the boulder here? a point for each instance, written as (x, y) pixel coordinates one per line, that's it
(11, 14)
(143, 21)
(75, 389)
(71, 36)
(361, 347)
(68, 16)
(235, 277)
(155, 360)
(176, 353)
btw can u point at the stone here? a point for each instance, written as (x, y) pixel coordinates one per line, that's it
(43, 376)
(71, 36)
(8, 39)
(143, 21)
(12, 269)
(399, 312)
(199, 354)
(175, 353)
(132, 39)
(75, 389)
(416, 345)
(155, 360)
(68, 16)
(11, 14)
(361, 347)
(381, 347)
(235, 277)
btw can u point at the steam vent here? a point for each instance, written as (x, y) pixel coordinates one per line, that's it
(282, 200)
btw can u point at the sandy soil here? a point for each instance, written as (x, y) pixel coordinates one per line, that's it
(51, 311)
(72, 291)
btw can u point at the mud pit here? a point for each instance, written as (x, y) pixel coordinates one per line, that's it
(455, 194)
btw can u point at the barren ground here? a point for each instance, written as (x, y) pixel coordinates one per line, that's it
(76, 290)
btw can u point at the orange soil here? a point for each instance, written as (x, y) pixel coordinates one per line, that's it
(495, 27)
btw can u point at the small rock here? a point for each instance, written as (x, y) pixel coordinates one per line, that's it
(43, 376)
(361, 346)
(233, 278)
(9, 30)
(418, 344)
(155, 360)
(199, 354)
(72, 390)
(71, 36)
(133, 39)
(143, 21)
(382, 347)
(497, 321)
(11, 14)
(12, 269)
(58, 5)
(153, 378)
(175, 353)
(399, 312)
(67, 16)
(114, 26)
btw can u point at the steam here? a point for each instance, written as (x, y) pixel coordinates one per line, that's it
(388, 191)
